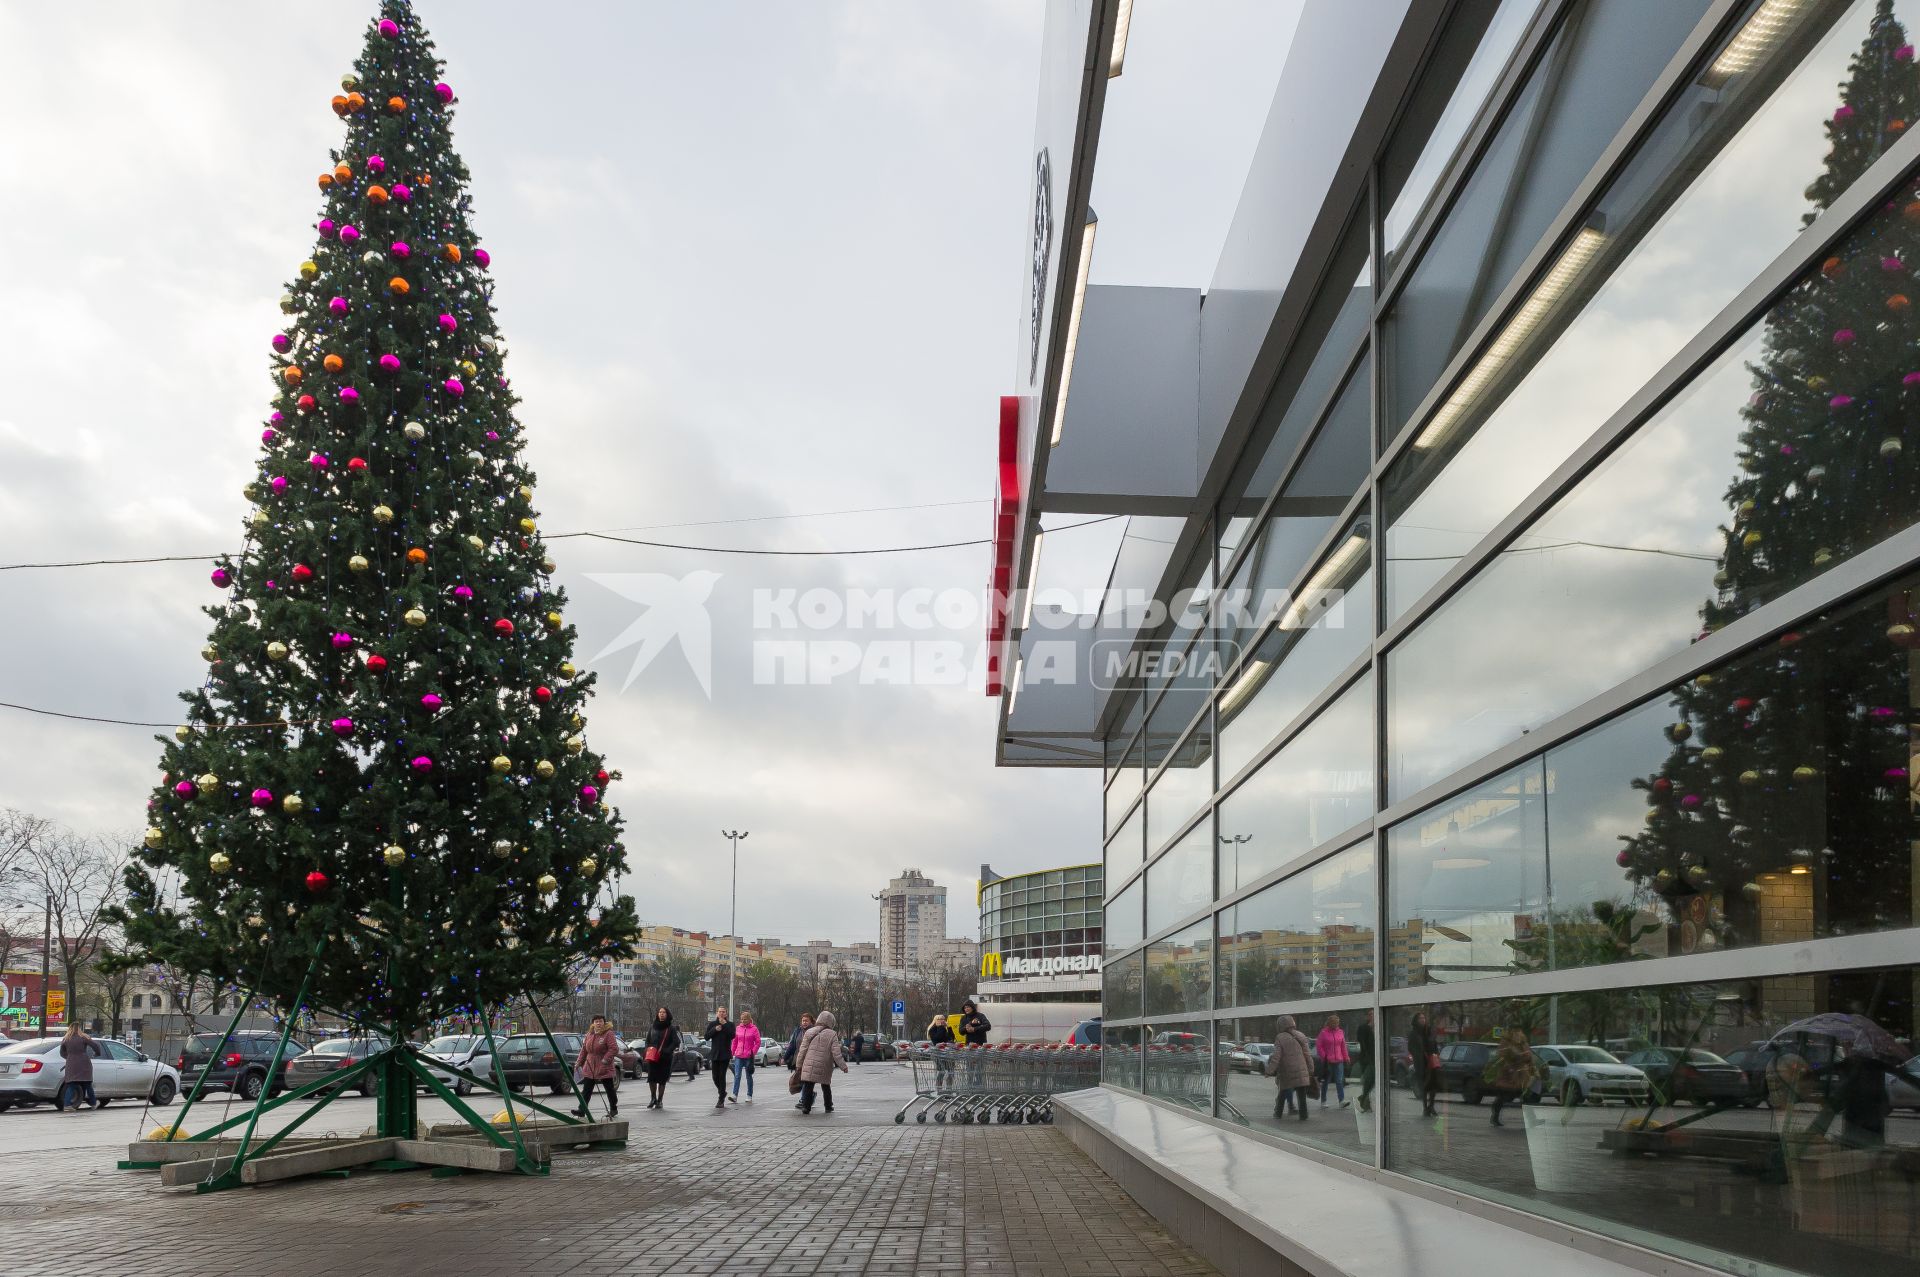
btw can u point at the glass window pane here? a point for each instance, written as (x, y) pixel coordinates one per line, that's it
(1123, 919)
(1182, 880)
(1744, 1125)
(1319, 785)
(1337, 463)
(1120, 1056)
(1307, 936)
(1711, 199)
(1249, 1096)
(1179, 975)
(1783, 459)
(1466, 880)
(1180, 1064)
(1126, 785)
(1127, 848)
(1182, 788)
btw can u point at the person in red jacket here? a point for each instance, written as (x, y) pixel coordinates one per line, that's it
(1331, 1046)
(746, 1052)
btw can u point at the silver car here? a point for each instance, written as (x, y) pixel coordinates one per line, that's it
(471, 1053)
(32, 1072)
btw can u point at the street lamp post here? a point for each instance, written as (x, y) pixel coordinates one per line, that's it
(1235, 840)
(733, 837)
(46, 961)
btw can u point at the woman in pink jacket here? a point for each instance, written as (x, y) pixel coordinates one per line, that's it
(746, 1050)
(1331, 1046)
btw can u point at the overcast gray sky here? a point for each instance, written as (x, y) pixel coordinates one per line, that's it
(752, 260)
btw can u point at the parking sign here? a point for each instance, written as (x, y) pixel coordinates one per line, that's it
(899, 1007)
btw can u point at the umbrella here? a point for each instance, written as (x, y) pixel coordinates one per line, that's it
(1858, 1034)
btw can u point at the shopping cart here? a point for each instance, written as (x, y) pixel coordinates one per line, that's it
(1007, 1083)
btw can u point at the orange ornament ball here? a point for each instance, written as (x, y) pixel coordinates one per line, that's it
(333, 363)
(1896, 126)
(396, 104)
(451, 252)
(291, 374)
(1898, 302)
(326, 180)
(377, 194)
(339, 104)
(399, 287)
(1832, 267)
(356, 102)
(416, 556)
(341, 173)
(1911, 212)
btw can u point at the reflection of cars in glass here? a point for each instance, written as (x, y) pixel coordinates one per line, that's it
(1462, 1067)
(1692, 1076)
(1251, 1058)
(1085, 1033)
(1751, 1060)
(1590, 1075)
(1399, 1062)
(1903, 1085)
(1191, 1041)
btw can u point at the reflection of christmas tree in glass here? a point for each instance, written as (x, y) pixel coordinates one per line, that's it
(1789, 767)
(385, 767)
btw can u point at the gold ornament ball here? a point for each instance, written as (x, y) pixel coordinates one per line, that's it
(549, 566)
(288, 304)
(1663, 880)
(1889, 447)
(589, 867)
(182, 732)
(1696, 874)
(293, 804)
(414, 431)
(470, 368)
(210, 653)
(1822, 557)
(309, 270)
(207, 782)
(502, 764)
(502, 848)
(349, 82)
(219, 862)
(259, 519)
(415, 617)
(1653, 814)
(576, 722)
(358, 563)
(276, 651)
(1680, 731)
(250, 492)
(1711, 754)
(548, 884)
(1750, 777)
(575, 744)
(526, 493)
(543, 769)
(1746, 507)
(553, 620)
(528, 526)
(395, 855)
(1803, 772)
(1899, 633)
(154, 838)
(1751, 539)
(567, 669)
(476, 543)
(382, 514)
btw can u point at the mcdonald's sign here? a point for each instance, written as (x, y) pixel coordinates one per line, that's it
(991, 966)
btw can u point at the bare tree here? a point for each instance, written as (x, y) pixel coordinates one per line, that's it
(79, 875)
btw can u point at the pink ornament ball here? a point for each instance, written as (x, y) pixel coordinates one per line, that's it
(1891, 264)
(276, 417)
(349, 234)
(1895, 773)
(1882, 712)
(403, 192)
(282, 342)
(1690, 801)
(431, 702)
(338, 305)
(326, 228)
(464, 593)
(376, 164)
(318, 461)
(262, 798)
(221, 577)
(589, 793)
(1840, 401)
(1622, 858)
(342, 641)
(389, 29)
(278, 483)
(401, 249)
(1844, 337)
(268, 435)
(503, 383)
(1903, 54)
(342, 726)
(455, 388)
(1911, 379)
(422, 764)
(184, 789)
(482, 258)
(1842, 113)
(389, 363)
(493, 436)
(448, 323)
(443, 91)
(349, 395)
(1786, 450)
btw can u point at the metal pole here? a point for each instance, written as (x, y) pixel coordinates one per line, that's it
(733, 837)
(46, 962)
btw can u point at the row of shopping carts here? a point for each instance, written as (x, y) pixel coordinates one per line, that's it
(1006, 1083)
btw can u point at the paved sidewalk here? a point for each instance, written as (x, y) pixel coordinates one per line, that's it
(789, 1198)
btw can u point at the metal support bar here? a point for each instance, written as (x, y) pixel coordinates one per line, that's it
(279, 1053)
(338, 1079)
(523, 1158)
(439, 1088)
(200, 1083)
(579, 1100)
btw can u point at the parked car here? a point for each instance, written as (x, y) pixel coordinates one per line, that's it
(1903, 1085)
(1692, 1076)
(1399, 1062)
(528, 1059)
(771, 1051)
(31, 1072)
(468, 1052)
(1251, 1058)
(692, 1057)
(871, 1049)
(1463, 1066)
(1591, 1075)
(1085, 1033)
(237, 1063)
(1187, 1041)
(1751, 1060)
(332, 1055)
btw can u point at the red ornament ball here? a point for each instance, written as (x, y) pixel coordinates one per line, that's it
(601, 776)
(543, 694)
(301, 572)
(376, 663)
(357, 465)
(503, 627)
(317, 882)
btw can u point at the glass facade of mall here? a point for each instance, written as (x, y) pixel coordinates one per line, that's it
(1571, 592)
(1051, 913)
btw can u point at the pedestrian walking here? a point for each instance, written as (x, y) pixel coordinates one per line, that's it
(599, 1062)
(974, 1027)
(1424, 1047)
(1512, 1075)
(719, 1037)
(76, 1052)
(1291, 1067)
(1367, 1056)
(1331, 1046)
(746, 1051)
(663, 1042)
(790, 1056)
(940, 1033)
(859, 1040)
(819, 1054)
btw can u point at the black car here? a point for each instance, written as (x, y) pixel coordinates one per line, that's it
(872, 1050)
(691, 1058)
(331, 1055)
(1693, 1076)
(529, 1060)
(1463, 1066)
(237, 1063)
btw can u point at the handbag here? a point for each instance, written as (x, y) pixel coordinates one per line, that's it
(793, 1082)
(653, 1055)
(1433, 1061)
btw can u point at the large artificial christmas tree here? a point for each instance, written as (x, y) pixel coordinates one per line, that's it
(381, 805)
(1790, 765)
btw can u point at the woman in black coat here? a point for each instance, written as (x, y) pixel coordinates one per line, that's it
(1424, 1047)
(663, 1040)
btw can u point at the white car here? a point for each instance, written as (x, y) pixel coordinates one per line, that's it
(31, 1072)
(1251, 1058)
(771, 1052)
(1590, 1075)
(468, 1052)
